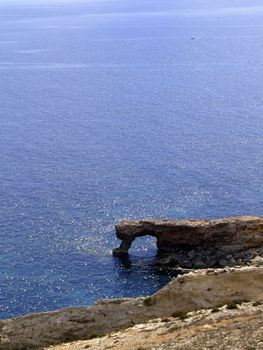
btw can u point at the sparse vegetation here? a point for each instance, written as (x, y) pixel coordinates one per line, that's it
(232, 305)
(93, 336)
(149, 301)
(215, 309)
(257, 303)
(180, 314)
(241, 301)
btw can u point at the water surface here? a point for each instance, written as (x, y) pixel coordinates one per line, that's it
(120, 109)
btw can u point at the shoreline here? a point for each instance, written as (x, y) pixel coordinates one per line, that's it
(196, 289)
(202, 289)
(198, 244)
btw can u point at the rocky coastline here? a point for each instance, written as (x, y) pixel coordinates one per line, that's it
(194, 244)
(232, 326)
(236, 242)
(194, 291)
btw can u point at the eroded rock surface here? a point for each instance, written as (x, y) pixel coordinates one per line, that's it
(236, 232)
(200, 257)
(199, 243)
(220, 328)
(194, 291)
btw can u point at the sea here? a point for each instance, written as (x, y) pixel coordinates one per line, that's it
(120, 109)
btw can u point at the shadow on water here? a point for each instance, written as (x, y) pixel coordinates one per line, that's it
(154, 264)
(125, 261)
(138, 277)
(144, 257)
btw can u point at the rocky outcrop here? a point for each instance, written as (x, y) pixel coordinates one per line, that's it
(237, 232)
(233, 326)
(193, 291)
(194, 241)
(199, 258)
(199, 243)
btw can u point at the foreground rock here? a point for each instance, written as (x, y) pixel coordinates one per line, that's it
(194, 291)
(200, 243)
(219, 328)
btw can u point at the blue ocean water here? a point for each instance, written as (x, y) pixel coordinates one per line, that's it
(120, 109)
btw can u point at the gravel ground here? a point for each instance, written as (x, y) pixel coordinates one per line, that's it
(233, 327)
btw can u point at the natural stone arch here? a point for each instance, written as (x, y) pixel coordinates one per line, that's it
(230, 234)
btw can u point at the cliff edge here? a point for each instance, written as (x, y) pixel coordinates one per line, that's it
(199, 243)
(202, 289)
(189, 243)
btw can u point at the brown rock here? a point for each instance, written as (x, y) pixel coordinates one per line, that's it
(228, 233)
(194, 291)
(220, 328)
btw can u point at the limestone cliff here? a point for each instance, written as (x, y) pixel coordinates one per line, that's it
(237, 232)
(236, 326)
(199, 243)
(196, 242)
(194, 291)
